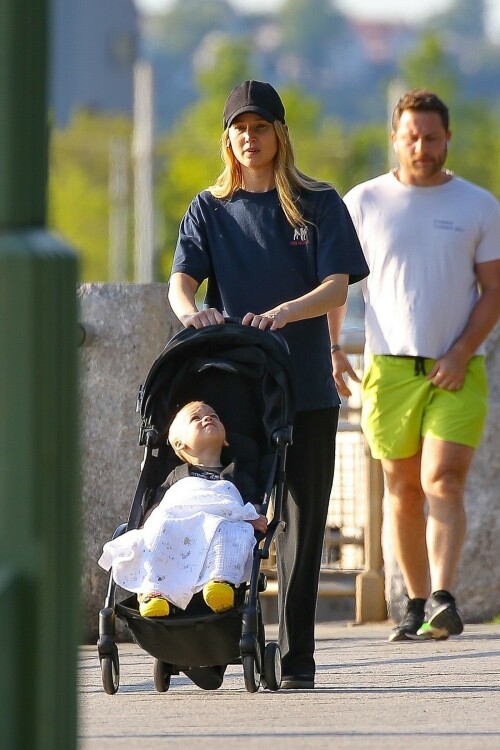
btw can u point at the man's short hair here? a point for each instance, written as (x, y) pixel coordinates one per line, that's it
(421, 100)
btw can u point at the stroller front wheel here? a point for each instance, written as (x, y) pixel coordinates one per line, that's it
(110, 675)
(251, 673)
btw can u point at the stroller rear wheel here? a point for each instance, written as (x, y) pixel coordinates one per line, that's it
(272, 667)
(161, 673)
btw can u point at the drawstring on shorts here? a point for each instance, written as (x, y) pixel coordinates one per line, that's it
(419, 366)
(419, 362)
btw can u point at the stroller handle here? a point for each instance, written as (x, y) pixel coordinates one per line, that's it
(231, 319)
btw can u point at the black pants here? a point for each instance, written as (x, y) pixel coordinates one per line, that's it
(309, 472)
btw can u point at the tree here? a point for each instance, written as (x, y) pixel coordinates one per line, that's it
(466, 18)
(309, 27)
(188, 21)
(78, 203)
(189, 158)
(430, 67)
(475, 147)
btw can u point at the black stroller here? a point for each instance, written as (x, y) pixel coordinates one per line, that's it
(245, 375)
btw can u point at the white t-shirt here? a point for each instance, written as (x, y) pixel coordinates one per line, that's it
(421, 244)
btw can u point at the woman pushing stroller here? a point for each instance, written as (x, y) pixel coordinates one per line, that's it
(199, 534)
(278, 249)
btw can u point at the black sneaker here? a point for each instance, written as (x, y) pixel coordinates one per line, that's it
(413, 616)
(298, 682)
(442, 617)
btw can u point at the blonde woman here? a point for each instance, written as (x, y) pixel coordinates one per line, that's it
(278, 249)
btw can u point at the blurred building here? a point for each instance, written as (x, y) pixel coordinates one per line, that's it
(93, 48)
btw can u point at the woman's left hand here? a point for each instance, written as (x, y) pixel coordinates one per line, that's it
(272, 319)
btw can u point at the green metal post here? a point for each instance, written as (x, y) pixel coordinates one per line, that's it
(39, 556)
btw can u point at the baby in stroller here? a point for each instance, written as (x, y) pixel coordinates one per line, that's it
(199, 532)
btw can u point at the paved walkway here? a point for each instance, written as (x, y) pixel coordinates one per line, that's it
(370, 695)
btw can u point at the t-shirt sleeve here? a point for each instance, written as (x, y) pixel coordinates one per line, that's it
(489, 244)
(191, 253)
(339, 249)
(353, 208)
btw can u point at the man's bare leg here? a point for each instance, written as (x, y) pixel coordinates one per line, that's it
(406, 503)
(444, 473)
(408, 522)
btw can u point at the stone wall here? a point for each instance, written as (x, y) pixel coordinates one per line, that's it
(478, 579)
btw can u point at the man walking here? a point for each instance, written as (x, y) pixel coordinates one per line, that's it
(431, 241)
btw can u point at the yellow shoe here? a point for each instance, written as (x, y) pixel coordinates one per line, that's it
(219, 596)
(153, 605)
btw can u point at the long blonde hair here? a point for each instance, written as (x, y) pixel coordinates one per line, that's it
(288, 179)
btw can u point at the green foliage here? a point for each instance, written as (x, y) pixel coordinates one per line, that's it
(187, 22)
(430, 67)
(475, 146)
(365, 155)
(79, 213)
(226, 65)
(78, 205)
(188, 158)
(190, 154)
(306, 26)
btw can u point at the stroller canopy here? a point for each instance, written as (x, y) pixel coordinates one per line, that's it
(244, 373)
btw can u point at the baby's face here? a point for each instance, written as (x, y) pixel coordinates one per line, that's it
(197, 426)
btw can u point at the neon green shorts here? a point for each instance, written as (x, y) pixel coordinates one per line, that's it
(400, 408)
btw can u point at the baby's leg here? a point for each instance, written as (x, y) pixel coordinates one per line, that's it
(229, 554)
(226, 564)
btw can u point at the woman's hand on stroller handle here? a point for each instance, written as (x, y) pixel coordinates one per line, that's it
(209, 316)
(273, 319)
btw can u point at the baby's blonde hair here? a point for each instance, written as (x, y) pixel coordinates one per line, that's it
(173, 433)
(173, 430)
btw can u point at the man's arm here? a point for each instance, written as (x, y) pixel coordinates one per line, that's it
(449, 370)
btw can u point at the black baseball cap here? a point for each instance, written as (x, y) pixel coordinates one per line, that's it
(253, 96)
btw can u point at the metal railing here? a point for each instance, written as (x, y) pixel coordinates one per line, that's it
(352, 562)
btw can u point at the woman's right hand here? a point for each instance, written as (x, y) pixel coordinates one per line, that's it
(203, 318)
(341, 366)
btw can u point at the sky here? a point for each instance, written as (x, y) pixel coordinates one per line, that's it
(392, 10)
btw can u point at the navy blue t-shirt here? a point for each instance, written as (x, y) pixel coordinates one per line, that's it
(254, 260)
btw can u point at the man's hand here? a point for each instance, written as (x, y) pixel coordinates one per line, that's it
(449, 371)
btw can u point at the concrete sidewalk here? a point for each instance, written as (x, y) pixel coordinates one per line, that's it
(370, 695)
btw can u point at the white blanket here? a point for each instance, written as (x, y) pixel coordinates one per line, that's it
(199, 532)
